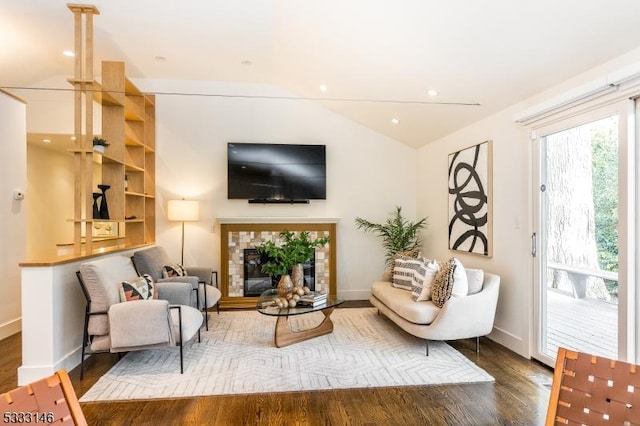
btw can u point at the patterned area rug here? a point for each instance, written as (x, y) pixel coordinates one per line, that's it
(237, 356)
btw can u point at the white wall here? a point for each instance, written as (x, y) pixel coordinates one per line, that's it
(368, 173)
(13, 215)
(512, 209)
(50, 206)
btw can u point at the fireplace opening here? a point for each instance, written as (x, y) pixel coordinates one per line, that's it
(256, 281)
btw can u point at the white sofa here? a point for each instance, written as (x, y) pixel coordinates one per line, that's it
(461, 317)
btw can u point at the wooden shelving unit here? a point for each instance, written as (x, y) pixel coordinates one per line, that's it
(128, 124)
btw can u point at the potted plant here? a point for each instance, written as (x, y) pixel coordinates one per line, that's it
(397, 233)
(100, 144)
(289, 255)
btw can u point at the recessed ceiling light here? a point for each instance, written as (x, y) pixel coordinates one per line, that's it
(246, 63)
(160, 58)
(73, 138)
(432, 92)
(395, 121)
(323, 88)
(46, 140)
(68, 53)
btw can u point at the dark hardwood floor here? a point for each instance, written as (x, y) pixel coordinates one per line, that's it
(519, 396)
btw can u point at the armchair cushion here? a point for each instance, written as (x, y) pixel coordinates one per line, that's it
(138, 288)
(176, 293)
(102, 278)
(151, 261)
(139, 323)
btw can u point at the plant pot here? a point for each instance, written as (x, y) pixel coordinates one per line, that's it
(297, 275)
(285, 286)
(99, 148)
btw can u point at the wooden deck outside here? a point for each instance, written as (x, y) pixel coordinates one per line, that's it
(584, 325)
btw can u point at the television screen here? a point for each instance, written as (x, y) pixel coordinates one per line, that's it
(276, 172)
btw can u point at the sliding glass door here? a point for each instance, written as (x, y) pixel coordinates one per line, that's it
(579, 243)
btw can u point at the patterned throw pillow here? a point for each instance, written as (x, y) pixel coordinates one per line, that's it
(422, 284)
(443, 283)
(175, 270)
(139, 288)
(404, 271)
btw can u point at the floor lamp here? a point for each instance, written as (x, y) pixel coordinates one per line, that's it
(183, 211)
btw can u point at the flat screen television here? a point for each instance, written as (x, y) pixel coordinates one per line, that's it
(271, 173)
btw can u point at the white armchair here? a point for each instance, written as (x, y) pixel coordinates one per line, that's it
(114, 326)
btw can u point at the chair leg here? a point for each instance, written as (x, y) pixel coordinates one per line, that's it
(427, 346)
(85, 342)
(180, 339)
(206, 311)
(478, 344)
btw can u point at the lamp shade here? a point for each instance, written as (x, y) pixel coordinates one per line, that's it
(183, 210)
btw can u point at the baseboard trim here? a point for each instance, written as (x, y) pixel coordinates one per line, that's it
(354, 294)
(509, 341)
(10, 328)
(28, 374)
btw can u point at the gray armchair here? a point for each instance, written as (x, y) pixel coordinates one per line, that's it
(114, 326)
(152, 261)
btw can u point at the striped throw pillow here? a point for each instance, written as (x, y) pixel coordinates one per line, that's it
(421, 290)
(405, 270)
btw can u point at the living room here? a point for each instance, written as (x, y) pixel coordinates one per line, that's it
(369, 171)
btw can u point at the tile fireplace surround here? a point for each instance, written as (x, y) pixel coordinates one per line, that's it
(237, 234)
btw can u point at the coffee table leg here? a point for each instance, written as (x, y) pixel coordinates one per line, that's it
(284, 336)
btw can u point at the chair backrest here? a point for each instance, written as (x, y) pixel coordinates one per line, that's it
(51, 399)
(102, 279)
(151, 261)
(592, 390)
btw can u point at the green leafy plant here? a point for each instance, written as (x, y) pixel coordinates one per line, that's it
(99, 141)
(397, 233)
(293, 250)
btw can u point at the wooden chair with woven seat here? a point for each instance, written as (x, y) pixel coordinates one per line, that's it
(51, 399)
(593, 390)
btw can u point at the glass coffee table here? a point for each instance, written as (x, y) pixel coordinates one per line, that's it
(284, 335)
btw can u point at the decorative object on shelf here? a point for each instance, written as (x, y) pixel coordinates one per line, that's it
(96, 209)
(397, 233)
(99, 144)
(294, 250)
(104, 208)
(470, 188)
(126, 182)
(183, 211)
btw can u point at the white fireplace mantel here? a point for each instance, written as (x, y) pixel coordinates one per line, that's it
(277, 219)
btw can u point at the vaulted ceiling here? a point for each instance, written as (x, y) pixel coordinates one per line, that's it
(377, 58)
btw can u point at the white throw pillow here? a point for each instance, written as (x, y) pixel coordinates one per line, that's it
(460, 282)
(422, 284)
(475, 277)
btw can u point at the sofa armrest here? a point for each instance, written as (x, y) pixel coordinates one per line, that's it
(204, 274)
(176, 293)
(139, 323)
(468, 316)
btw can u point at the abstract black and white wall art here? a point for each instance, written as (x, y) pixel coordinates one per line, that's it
(470, 193)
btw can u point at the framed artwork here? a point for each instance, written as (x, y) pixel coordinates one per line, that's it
(470, 198)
